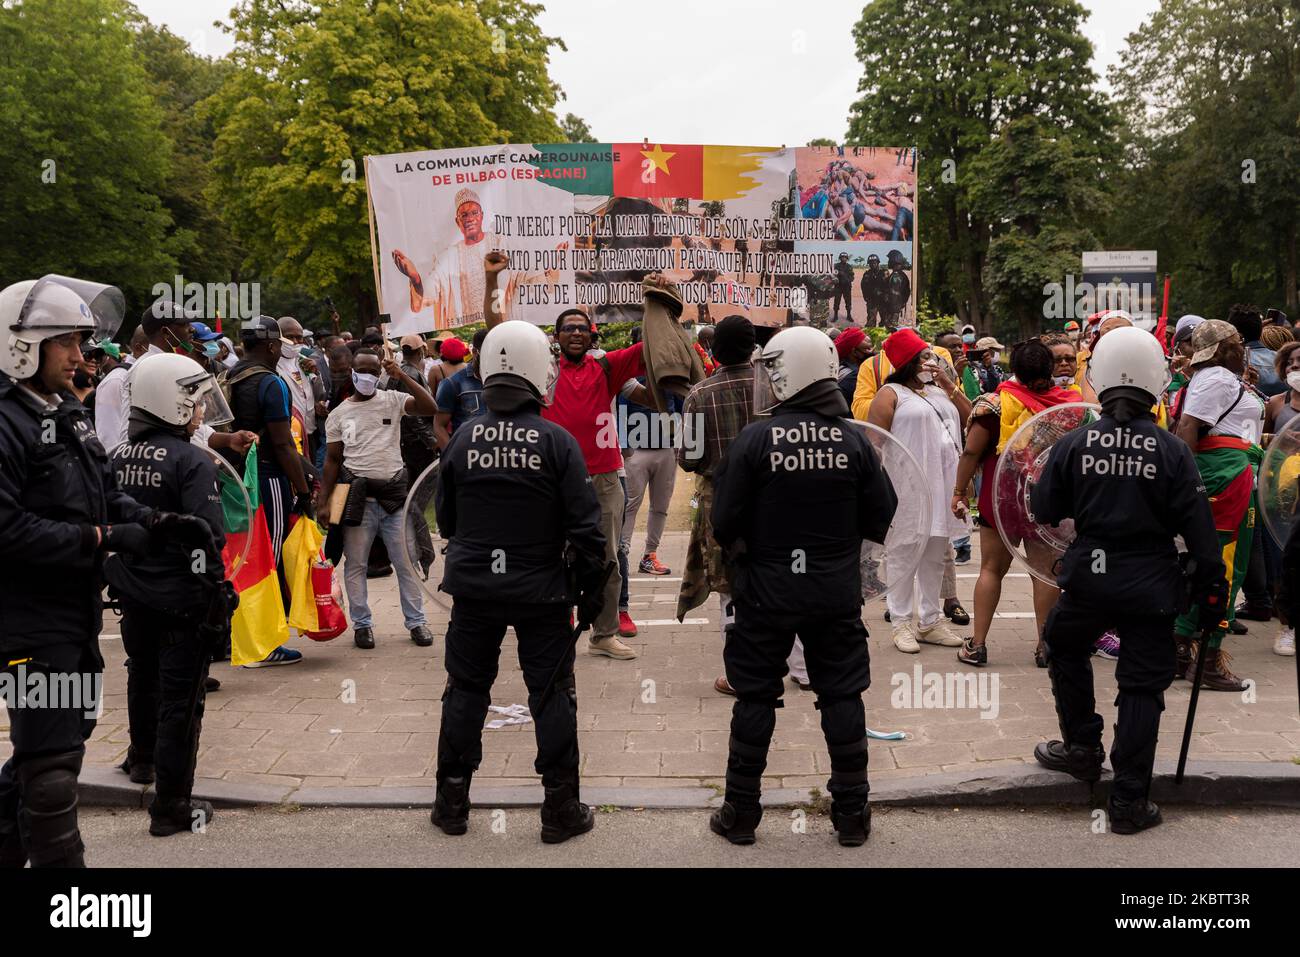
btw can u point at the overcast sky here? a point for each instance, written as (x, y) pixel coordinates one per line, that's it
(745, 72)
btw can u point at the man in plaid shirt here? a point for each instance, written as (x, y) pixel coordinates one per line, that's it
(713, 415)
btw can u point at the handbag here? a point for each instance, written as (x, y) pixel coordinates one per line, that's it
(331, 620)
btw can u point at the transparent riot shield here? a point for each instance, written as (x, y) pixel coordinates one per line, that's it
(1035, 545)
(421, 548)
(1279, 483)
(897, 557)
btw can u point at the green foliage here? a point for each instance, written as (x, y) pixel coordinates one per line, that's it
(822, 141)
(1211, 91)
(950, 77)
(318, 87)
(575, 129)
(76, 93)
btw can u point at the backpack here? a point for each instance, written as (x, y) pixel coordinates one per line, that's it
(226, 382)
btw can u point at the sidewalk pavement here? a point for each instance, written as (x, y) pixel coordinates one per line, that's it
(346, 718)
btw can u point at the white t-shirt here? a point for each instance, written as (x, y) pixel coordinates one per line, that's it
(1215, 392)
(370, 432)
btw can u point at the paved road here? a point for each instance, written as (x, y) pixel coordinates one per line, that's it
(1191, 837)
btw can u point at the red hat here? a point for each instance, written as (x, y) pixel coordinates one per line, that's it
(454, 350)
(848, 340)
(903, 346)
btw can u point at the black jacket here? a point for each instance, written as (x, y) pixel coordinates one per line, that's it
(55, 487)
(1130, 489)
(167, 472)
(508, 521)
(793, 499)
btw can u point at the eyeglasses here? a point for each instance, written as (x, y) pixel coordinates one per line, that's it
(574, 328)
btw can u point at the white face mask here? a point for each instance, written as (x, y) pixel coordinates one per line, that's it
(926, 377)
(365, 383)
(997, 357)
(290, 350)
(1062, 380)
(1293, 380)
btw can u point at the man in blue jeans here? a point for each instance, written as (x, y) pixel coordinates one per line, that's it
(364, 440)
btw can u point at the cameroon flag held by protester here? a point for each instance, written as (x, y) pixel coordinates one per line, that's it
(259, 625)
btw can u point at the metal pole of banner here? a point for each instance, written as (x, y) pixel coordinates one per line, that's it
(916, 237)
(374, 247)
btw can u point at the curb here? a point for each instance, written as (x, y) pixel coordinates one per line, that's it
(1237, 783)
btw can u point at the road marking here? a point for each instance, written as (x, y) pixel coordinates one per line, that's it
(653, 622)
(1007, 575)
(1013, 614)
(651, 579)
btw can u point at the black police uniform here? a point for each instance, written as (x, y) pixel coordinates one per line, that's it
(512, 489)
(794, 497)
(875, 291)
(174, 609)
(56, 487)
(1130, 489)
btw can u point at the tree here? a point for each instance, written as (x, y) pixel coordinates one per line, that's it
(575, 129)
(948, 76)
(318, 88)
(1212, 94)
(821, 141)
(83, 148)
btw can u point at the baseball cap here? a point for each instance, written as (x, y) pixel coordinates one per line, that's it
(203, 333)
(412, 341)
(259, 329)
(1186, 326)
(988, 342)
(166, 312)
(1207, 337)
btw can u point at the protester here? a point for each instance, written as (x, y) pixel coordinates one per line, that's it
(419, 446)
(704, 347)
(990, 351)
(1279, 413)
(954, 345)
(1222, 421)
(460, 394)
(647, 439)
(364, 447)
(1249, 323)
(852, 347)
(925, 410)
(994, 419)
(260, 403)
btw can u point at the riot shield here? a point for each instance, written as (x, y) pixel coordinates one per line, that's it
(897, 557)
(420, 548)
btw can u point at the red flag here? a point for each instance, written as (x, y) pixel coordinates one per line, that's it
(1163, 322)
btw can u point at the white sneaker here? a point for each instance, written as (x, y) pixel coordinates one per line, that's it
(1284, 644)
(905, 638)
(610, 647)
(940, 634)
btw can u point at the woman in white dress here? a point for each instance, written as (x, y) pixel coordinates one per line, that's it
(925, 410)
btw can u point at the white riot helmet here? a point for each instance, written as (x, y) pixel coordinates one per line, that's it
(39, 309)
(172, 388)
(1132, 358)
(792, 360)
(520, 349)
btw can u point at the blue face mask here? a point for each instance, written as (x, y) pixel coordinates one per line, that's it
(968, 338)
(211, 349)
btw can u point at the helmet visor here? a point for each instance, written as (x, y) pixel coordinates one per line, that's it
(552, 378)
(210, 406)
(105, 305)
(767, 375)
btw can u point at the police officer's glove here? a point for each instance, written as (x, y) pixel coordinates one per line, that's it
(304, 504)
(127, 539)
(186, 529)
(1212, 603)
(591, 596)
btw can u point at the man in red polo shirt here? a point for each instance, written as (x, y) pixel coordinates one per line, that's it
(586, 388)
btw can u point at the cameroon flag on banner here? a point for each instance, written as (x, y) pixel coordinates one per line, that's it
(658, 171)
(259, 625)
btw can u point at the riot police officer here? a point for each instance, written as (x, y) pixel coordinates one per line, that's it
(1130, 488)
(512, 489)
(175, 601)
(61, 510)
(798, 577)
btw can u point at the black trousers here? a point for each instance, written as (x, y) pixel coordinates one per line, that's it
(164, 695)
(1144, 670)
(845, 293)
(757, 645)
(546, 651)
(38, 784)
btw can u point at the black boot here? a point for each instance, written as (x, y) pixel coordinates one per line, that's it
(451, 805)
(176, 815)
(1129, 817)
(140, 772)
(736, 822)
(1078, 761)
(852, 830)
(563, 815)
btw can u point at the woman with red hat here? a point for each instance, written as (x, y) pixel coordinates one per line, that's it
(925, 410)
